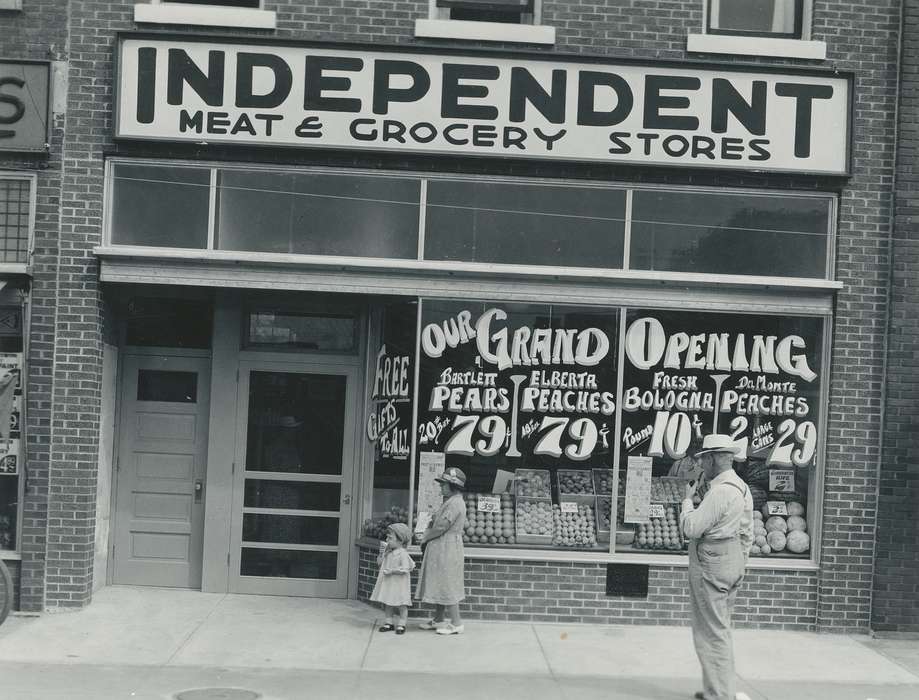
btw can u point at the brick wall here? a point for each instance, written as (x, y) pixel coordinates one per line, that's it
(861, 37)
(538, 591)
(38, 32)
(896, 577)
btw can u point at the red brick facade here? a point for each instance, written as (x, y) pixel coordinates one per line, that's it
(65, 367)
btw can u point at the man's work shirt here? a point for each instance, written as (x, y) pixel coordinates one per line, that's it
(726, 511)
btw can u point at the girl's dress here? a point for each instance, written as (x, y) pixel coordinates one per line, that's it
(441, 580)
(394, 589)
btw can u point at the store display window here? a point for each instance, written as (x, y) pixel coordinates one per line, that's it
(521, 397)
(756, 378)
(11, 438)
(389, 421)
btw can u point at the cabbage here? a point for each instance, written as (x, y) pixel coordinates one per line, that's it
(776, 540)
(798, 541)
(776, 522)
(796, 522)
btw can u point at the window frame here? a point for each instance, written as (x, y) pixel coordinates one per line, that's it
(797, 33)
(23, 267)
(753, 44)
(420, 264)
(177, 12)
(438, 25)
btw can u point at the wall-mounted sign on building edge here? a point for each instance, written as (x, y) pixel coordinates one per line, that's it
(25, 98)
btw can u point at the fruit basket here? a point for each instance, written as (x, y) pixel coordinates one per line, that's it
(534, 521)
(493, 527)
(533, 483)
(577, 529)
(667, 489)
(574, 482)
(604, 514)
(603, 481)
(661, 533)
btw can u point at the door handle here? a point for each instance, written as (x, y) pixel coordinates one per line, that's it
(199, 490)
(347, 499)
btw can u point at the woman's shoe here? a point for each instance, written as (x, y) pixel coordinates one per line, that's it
(386, 628)
(400, 629)
(431, 625)
(450, 628)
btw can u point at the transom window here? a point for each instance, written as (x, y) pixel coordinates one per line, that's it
(458, 220)
(15, 219)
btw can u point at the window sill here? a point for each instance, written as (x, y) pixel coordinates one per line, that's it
(484, 31)
(204, 15)
(10, 555)
(11, 5)
(756, 46)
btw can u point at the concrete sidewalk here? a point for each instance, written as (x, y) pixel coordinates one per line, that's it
(155, 643)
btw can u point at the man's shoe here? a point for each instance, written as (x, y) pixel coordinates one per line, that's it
(450, 628)
(741, 696)
(698, 695)
(431, 625)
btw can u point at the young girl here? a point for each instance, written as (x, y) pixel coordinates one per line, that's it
(393, 587)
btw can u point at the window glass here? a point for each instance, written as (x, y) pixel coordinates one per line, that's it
(293, 330)
(253, 4)
(11, 437)
(521, 397)
(318, 214)
(755, 378)
(389, 424)
(164, 322)
(163, 206)
(524, 224)
(506, 11)
(780, 18)
(170, 387)
(740, 234)
(15, 207)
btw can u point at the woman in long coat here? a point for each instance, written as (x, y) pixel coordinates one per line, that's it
(441, 580)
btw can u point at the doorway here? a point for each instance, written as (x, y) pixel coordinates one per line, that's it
(160, 470)
(292, 485)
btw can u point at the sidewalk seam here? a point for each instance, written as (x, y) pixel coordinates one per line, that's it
(192, 633)
(545, 656)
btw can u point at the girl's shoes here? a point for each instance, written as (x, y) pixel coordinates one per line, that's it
(400, 629)
(450, 628)
(387, 628)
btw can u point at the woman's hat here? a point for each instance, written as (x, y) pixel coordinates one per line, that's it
(401, 531)
(717, 443)
(454, 476)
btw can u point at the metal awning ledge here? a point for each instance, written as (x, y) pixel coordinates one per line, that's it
(140, 265)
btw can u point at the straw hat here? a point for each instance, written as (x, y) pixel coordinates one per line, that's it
(454, 476)
(401, 531)
(717, 443)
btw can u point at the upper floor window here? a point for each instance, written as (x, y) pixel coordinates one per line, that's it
(486, 20)
(16, 218)
(774, 28)
(212, 13)
(775, 18)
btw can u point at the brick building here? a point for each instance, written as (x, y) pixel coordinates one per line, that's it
(288, 260)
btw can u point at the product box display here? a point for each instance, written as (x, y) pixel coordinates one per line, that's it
(575, 524)
(780, 528)
(535, 521)
(604, 515)
(533, 483)
(668, 489)
(489, 519)
(603, 481)
(576, 482)
(662, 531)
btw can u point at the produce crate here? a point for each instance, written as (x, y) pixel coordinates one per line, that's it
(667, 489)
(600, 474)
(526, 505)
(583, 477)
(533, 483)
(654, 525)
(604, 505)
(581, 502)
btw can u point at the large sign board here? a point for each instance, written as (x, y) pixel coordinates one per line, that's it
(24, 105)
(221, 91)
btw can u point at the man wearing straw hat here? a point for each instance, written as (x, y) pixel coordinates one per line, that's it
(720, 533)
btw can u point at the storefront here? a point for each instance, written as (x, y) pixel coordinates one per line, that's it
(302, 347)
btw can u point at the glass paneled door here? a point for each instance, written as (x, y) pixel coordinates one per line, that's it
(293, 478)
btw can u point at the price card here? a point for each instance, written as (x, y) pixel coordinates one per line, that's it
(776, 508)
(782, 480)
(569, 507)
(489, 504)
(637, 490)
(656, 510)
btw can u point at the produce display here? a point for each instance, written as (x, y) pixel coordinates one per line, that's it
(667, 489)
(376, 527)
(575, 482)
(535, 517)
(574, 529)
(603, 481)
(489, 527)
(780, 533)
(533, 483)
(604, 512)
(661, 533)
